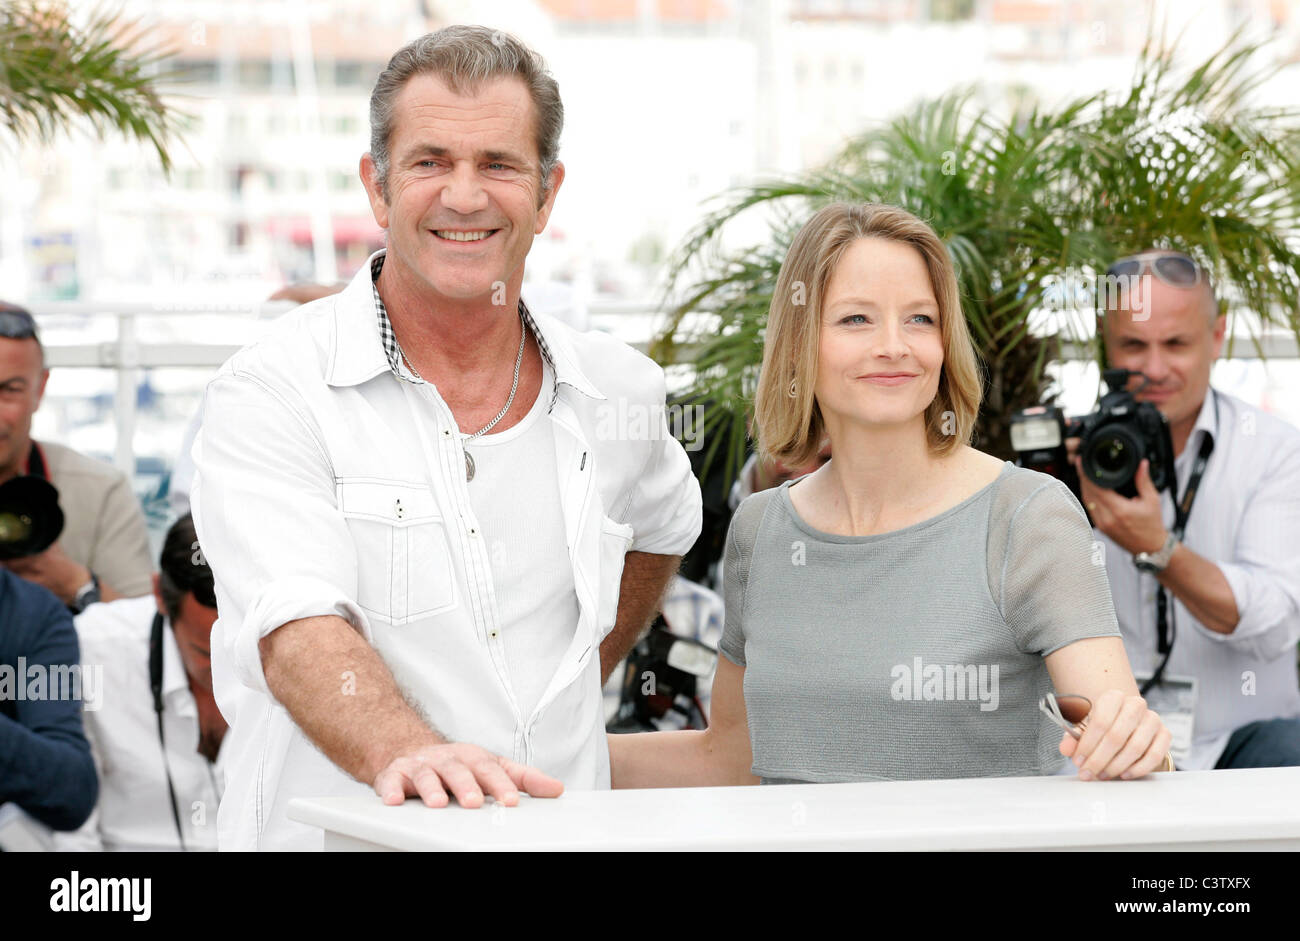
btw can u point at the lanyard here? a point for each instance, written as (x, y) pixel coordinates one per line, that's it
(36, 466)
(155, 684)
(1165, 627)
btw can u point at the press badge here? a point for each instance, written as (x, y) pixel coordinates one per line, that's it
(1174, 700)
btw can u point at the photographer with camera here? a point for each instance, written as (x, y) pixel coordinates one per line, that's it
(157, 737)
(103, 552)
(1203, 568)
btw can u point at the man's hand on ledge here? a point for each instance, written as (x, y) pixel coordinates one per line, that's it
(371, 731)
(467, 771)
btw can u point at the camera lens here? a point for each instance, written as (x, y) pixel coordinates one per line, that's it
(30, 517)
(14, 527)
(1111, 457)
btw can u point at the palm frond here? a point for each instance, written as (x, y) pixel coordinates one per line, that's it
(55, 73)
(1179, 159)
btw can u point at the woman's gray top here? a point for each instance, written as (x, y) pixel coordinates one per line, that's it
(916, 653)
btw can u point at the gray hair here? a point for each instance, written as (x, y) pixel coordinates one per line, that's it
(464, 57)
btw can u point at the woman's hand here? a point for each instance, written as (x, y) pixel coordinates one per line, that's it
(1122, 738)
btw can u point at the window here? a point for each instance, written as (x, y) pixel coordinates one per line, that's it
(197, 72)
(352, 74)
(255, 73)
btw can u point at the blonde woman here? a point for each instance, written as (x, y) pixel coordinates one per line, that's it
(900, 612)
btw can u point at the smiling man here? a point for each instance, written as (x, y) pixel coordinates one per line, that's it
(430, 550)
(1231, 584)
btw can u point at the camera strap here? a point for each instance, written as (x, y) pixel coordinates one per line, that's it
(1165, 626)
(155, 685)
(36, 466)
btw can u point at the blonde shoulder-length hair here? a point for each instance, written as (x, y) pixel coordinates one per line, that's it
(788, 420)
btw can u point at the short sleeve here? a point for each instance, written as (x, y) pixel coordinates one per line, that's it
(736, 558)
(120, 554)
(666, 509)
(1047, 572)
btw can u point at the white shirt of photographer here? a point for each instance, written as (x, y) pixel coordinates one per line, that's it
(1244, 519)
(328, 485)
(134, 810)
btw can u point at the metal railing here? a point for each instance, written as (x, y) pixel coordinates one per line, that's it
(631, 321)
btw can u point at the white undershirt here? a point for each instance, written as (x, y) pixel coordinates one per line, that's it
(515, 495)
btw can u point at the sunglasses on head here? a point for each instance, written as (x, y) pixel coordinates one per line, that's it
(17, 325)
(1173, 268)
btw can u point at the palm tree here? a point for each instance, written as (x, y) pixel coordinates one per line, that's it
(55, 72)
(1025, 206)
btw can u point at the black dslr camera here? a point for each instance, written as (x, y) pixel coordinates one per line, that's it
(30, 517)
(660, 683)
(1114, 440)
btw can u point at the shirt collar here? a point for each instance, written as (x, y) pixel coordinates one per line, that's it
(173, 675)
(362, 333)
(1207, 419)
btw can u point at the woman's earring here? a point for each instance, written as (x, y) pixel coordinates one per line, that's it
(793, 393)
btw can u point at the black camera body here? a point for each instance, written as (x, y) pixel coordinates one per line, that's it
(30, 517)
(1114, 440)
(662, 676)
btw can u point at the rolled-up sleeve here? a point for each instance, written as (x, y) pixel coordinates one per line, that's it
(666, 509)
(267, 517)
(1264, 572)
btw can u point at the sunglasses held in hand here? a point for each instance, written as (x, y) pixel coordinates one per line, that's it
(1050, 706)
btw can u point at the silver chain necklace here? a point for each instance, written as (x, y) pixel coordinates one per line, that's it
(514, 387)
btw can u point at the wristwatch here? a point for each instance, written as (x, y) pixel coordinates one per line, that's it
(1155, 562)
(86, 595)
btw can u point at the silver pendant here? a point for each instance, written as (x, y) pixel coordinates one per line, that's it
(469, 466)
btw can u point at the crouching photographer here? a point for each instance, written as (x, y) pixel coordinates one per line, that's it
(157, 739)
(1196, 515)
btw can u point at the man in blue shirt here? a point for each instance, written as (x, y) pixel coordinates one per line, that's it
(45, 764)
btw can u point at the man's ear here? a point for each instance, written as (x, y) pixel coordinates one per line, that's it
(40, 387)
(548, 197)
(1218, 332)
(157, 594)
(374, 190)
